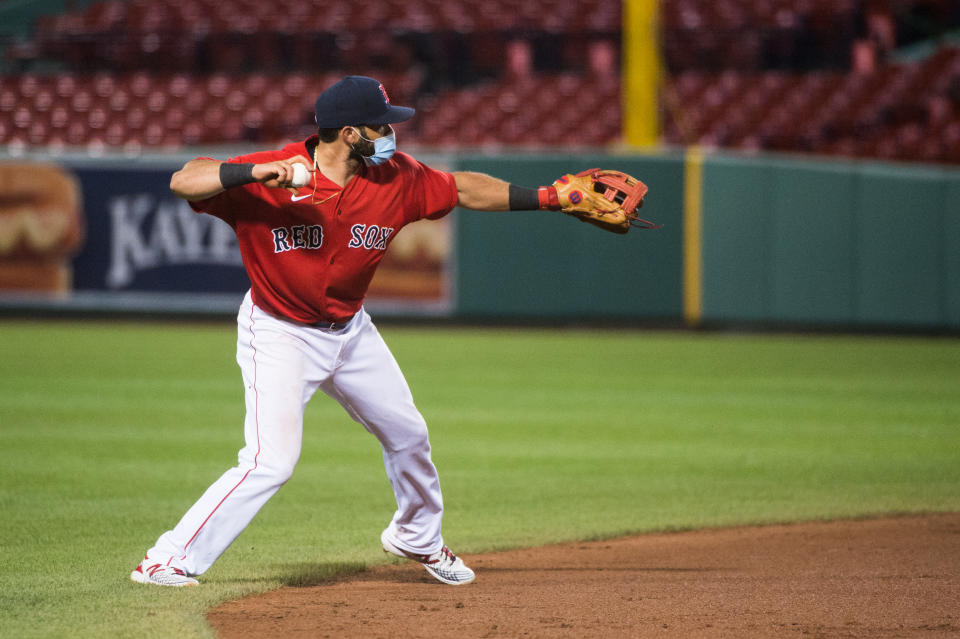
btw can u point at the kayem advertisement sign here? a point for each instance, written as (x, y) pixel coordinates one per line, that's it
(123, 240)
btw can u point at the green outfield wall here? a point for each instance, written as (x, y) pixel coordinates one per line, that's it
(538, 264)
(840, 243)
(764, 240)
(774, 241)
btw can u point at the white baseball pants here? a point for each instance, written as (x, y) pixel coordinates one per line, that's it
(283, 364)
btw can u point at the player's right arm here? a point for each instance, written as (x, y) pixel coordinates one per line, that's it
(203, 178)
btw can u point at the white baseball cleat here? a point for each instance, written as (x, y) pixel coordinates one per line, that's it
(161, 575)
(443, 564)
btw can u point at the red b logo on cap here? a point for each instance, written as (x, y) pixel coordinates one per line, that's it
(386, 98)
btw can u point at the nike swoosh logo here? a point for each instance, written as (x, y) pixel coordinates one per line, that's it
(297, 198)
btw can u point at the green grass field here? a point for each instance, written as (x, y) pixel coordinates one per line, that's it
(109, 431)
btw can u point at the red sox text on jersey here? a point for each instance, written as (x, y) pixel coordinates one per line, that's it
(370, 237)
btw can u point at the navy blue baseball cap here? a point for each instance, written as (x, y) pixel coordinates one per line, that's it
(357, 99)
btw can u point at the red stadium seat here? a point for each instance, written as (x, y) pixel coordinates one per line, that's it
(159, 51)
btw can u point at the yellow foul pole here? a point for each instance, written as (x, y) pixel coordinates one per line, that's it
(642, 69)
(693, 236)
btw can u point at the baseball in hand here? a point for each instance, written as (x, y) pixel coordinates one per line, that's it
(300, 175)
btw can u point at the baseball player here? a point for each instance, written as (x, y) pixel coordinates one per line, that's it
(310, 252)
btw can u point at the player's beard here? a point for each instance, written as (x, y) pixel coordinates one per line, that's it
(360, 149)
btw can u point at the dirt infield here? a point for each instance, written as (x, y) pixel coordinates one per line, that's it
(897, 577)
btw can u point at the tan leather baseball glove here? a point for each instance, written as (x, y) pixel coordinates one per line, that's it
(606, 198)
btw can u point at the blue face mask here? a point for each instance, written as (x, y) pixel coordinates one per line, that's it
(383, 148)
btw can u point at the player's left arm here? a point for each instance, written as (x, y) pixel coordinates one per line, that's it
(482, 192)
(605, 198)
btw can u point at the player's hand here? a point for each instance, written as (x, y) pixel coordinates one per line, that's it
(279, 174)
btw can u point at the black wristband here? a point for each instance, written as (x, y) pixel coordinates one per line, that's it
(523, 199)
(232, 175)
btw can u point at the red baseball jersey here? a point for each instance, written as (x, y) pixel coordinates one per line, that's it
(310, 255)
